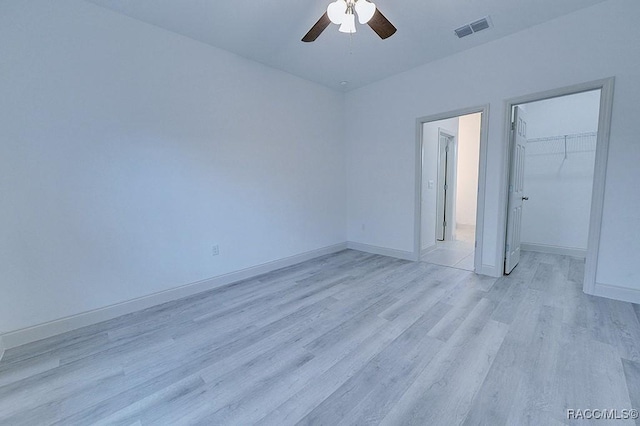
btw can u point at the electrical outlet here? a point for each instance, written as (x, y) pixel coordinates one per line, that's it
(215, 250)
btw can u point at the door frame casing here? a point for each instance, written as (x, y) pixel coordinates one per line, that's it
(606, 87)
(482, 178)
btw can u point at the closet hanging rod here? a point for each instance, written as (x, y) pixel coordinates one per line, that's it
(563, 137)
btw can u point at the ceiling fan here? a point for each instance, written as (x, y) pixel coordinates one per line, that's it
(342, 12)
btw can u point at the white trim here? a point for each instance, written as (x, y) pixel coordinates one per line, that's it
(606, 87)
(482, 178)
(489, 270)
(480, 204)
(42, 331)
(429, 249)
(383, 251)
(545, 248)
(599, 177)
(615, 292)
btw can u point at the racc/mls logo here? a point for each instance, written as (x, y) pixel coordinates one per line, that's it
(601, 414)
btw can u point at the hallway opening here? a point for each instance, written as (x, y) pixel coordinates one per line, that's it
(450, 157)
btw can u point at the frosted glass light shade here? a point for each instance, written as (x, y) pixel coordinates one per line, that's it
(337, 11)
(349, 24)
(365, 11)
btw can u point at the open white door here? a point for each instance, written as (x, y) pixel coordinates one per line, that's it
(441, 194)
(516, 187)
(445, 196)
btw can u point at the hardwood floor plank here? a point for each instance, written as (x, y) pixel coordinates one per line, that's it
(346, 329)
(140, 382)
(403, 370)
(576, 270)
(445, 328)
(401, 354)
(443, 392)
(575, 312)
(625, 329)
(632, 375)
(537, 398)
(21, 370)
(256, 405)
(426, 294)
(498, 290)
(318, 388)
(469, 282)
(543, 277)
(50, 347)
(636, 308)
(152, 406)
(495, 397)
(236, 394)
(507, 309)
(581, 379)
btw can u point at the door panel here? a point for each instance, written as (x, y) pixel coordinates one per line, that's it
(441, 201)
(516, 189)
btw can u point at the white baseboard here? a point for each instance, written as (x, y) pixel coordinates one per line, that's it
(383, 251)
(428, 249)
(42, 331)
(544, 248)
(615, 292)
(490, 271)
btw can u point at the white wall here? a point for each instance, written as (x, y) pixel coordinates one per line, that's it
(430, 138)
(127, 151)
(565, 115)
(593, 43)
(559, 188)
(468, 160)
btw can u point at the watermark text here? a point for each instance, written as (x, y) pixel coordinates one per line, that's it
(602, 414)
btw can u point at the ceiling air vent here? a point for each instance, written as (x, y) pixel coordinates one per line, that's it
(474, 27)
(464, 31)
(479, 25)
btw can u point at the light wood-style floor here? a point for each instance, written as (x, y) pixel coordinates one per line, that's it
(350, 338)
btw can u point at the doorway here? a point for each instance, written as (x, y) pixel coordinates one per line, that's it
(557, 166)
(450, 158)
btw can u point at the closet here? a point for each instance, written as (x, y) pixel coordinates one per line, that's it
(558, 177)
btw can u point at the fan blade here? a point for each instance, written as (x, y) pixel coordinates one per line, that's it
(317, 29)
(381, 25)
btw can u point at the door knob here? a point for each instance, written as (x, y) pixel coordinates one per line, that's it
(525, 198)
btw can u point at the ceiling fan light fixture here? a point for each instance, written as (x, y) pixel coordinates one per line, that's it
(348, 24)
(365, 10)
(343, 13)
(337, 11)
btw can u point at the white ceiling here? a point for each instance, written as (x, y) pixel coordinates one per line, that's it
(269, 32)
